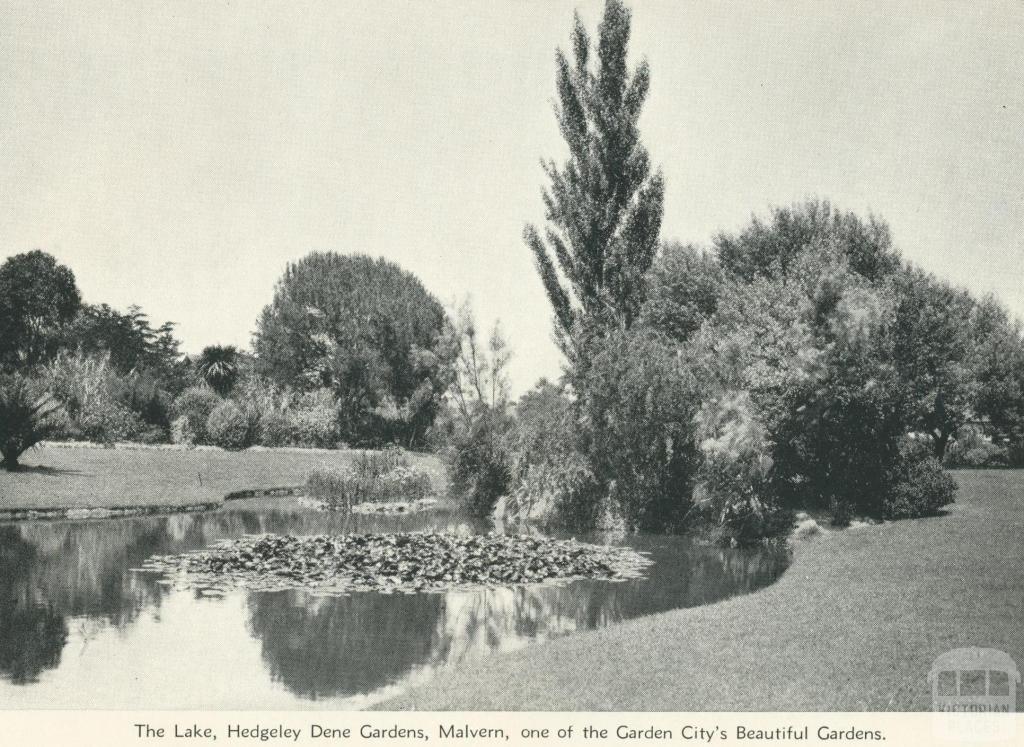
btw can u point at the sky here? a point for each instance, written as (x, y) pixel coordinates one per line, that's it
(177, 155)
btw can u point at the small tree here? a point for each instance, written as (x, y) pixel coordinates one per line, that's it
(27, 416)
(475, 434)
(219, 366)
(604, 206)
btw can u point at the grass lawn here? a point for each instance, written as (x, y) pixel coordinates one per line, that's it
(854, 624)
(105, 478)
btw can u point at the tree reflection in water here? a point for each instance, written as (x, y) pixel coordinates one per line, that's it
(68, 579)
(51, 571)
(320, 647)
(32, 634)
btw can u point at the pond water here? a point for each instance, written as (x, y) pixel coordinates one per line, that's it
(80, 629)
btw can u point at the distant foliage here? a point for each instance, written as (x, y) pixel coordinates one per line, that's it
(368, 331)
(934, 352)
(28, 415)
(192, 411)
(473, 429)
(133, 344)
(972, 450)
(219, 366)
(684, 287)
(314, 420)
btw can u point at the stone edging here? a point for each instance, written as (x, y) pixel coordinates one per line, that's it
(79, 512)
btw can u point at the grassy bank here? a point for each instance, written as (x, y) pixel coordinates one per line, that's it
(854, 624)
(102, 478)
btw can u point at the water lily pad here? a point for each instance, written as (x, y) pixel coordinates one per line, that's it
(407, 563)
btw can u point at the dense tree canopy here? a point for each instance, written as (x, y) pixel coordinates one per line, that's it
(366, 329)
(604, 207)
(134, 345)
(38, 297)
(933, 348)
(770, 248)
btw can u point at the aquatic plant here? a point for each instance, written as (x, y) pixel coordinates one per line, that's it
(406, 562)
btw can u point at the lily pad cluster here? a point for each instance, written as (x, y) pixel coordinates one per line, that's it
(404, 562)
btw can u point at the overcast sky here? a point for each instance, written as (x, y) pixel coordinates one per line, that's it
(177, 154)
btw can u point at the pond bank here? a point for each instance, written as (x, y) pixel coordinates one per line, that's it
(65, 480)
(854, 624)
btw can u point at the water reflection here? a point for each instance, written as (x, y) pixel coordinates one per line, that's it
(32, 633)
(69, 586)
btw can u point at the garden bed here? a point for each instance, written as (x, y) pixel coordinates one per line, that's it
(388, 563)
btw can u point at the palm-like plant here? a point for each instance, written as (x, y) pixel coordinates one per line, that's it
(27, 416)
(218, 365)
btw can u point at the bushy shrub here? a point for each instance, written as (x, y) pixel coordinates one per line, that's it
(276, 429)
(971, 450)
(314, 420)
(552, 482)
(637, 406)
(376, 477)
(733, 487)
(27, 416)
(918, 486)
(479, 467)
(96, 399)
(192, 410)
(230, 426)
(106, 423)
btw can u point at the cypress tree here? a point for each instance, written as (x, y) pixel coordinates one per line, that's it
(603, 206)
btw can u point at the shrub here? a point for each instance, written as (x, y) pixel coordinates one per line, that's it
(106, 423)
(479, 466)
(269, 408)
(230, 426)
(192, 410)
(637, 408)
(733, 478)
(972, 450)
(27, 416)
(275, 429)
(377, 477)
(918, 486)
(552, 481)
(94, 398)
(314, 420)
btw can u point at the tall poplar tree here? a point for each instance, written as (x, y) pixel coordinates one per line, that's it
(603, 206)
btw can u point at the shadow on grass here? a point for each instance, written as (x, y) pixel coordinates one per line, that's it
(42, 469)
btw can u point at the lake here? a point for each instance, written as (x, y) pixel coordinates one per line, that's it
(80, 628)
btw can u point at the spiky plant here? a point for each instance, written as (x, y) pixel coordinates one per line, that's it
(28, 415)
